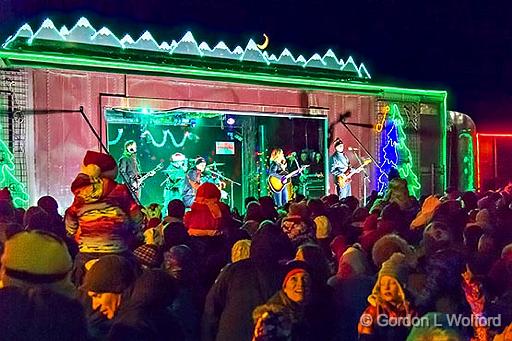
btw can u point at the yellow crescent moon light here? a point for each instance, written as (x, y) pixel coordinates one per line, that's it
(265, 43)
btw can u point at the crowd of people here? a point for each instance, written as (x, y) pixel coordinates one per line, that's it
(314, 269)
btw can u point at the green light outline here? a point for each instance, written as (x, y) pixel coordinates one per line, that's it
(444, 142)
(405, 170)
(18, 190)
(471, 156)
(43, 59)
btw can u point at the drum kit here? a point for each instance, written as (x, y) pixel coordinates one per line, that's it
(212, 175)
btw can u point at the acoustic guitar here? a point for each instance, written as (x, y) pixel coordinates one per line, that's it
(345, 178)
(277, 183)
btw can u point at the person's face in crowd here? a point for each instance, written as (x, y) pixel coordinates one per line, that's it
(132, 148)
(201, 166)
(389, 289)
(303, 157)
(340, 148)
(107, 303)
(435, 238)
(298, 287)
(318, 157)
(175, 269)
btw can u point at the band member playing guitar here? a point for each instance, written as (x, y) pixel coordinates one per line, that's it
(129, 167)
(278, 168)
(340, 165)
(193, 181)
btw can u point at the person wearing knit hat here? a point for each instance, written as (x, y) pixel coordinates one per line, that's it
(153, 232)
(104, 218)
(388, 298)
(207, 213)
(148, 256)
(37, 259)
(350, 287)
(241, 250)
(298, 225)
(283, 316)
(386, 246)
(106, 281)
(323, 227)
(193, 181)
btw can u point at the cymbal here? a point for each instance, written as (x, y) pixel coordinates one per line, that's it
(216, 164)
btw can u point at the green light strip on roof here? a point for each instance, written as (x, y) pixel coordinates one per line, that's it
(40, 59)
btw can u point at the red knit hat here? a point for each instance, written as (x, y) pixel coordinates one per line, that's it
(294, 267)
(104, 161)
(208, 191)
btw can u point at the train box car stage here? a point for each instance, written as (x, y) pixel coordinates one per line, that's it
(47, 73)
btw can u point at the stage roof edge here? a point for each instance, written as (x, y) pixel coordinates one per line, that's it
(11, 58)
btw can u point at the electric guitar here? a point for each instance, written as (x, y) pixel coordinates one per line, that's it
(137, 184)
(345, 178)
(277, 183)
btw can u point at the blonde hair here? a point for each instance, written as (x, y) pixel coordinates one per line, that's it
(277, 155)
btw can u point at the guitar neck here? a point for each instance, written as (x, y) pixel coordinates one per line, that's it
(148, 174)
(292, 173)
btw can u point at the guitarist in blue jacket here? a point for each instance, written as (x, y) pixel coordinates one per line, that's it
(340, 164)
(278, 167)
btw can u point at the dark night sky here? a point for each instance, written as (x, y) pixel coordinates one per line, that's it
(461, 46)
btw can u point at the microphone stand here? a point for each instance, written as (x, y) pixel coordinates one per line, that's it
(300, 172)
(360, 143)
(231, 183)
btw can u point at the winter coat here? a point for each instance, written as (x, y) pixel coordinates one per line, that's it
(200, 222)
(385, 333)
(244, 285)
(443, 269)
(240, 288)
(350, 298)
(281, 319)
(145, 314)
(104, 217)
(351, 286)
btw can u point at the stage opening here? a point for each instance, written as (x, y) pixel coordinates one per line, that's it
(235, 145)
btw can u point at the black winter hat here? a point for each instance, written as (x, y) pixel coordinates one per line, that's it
(112, 274)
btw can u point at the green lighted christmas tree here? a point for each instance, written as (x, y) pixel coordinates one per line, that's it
(405, 163)
(8, 179)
